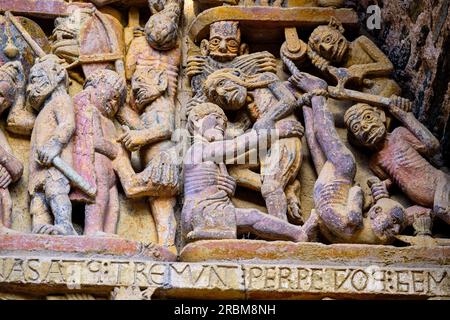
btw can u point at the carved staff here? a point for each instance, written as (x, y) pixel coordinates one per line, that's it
(340, 93)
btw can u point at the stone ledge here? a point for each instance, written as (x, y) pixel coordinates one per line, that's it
(310, 253)
(82, 246)
(40, 276)
(261, 19)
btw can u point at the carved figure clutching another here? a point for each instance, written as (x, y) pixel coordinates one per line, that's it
(224, 49)
(95, 148)
(208, 212)
(338, 202)
(402, 154)
(11, 169)
(51, 137)
(152, 65)
(266, 100)
(361, 61)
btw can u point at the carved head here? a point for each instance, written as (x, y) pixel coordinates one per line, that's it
(366, 125)
(9, 82)
(45, 76)
(329, 42)
(207, 120)
(161, 29)
(69, 27)
(387, 218)
(109, 91)
(148, 84)
(224, 41)
(226, 88)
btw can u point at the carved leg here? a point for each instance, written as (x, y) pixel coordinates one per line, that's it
(245, 177)
(354, 204)
(95, 213)
(57, 190)
(270, 228)
(315, 150)
(113, 211)
(441, 205)
(164, 216)
(40, 213)
(292, 192)
(277, 170)
(6, 208)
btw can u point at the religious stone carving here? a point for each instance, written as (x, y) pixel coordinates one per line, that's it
(11, 169)
(208, 212)
(402, 154)
(51, 138)
(304, 172)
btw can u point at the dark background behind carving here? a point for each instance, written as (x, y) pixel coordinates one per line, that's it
(415, 36)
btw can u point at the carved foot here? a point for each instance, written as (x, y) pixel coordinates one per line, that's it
(294, 208)
(7, 231)
(51, 230)
(311, 227)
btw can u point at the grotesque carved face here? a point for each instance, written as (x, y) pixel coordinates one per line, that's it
(224, 40)
(109, 91)
(387, 219)
(366, 124)
(212, 127)
(207, 120)
(45, 76)
(148, 84)
(226, 89)
(329, 43)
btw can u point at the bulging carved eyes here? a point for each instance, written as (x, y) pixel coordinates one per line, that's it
(328, 39)
(222, 83)
(355, 127)
(368, 117)
(232, 43)
(215, 42)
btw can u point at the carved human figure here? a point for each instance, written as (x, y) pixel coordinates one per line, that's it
(361, 61)
(385, 219)
(224, 49)
(11, 168)
(152, 65)
(208, 212)
(51, 137)
(402, 155)
(94, 148)
(338, 202)
(266, 100)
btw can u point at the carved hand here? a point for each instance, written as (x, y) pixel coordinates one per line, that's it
(399, 103)
(307, 82)
(226, 183)
(48, 152)
(133, 140)
(163, 172)
(5, 177)
(290, 128)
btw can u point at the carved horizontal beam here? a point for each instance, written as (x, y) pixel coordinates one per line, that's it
(42, 9)
(47, 275)
(260, 19)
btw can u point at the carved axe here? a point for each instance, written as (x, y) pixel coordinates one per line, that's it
(340, 93)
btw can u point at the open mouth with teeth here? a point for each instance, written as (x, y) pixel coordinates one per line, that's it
(374, 133)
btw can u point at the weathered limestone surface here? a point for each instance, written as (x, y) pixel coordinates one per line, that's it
(415, 34)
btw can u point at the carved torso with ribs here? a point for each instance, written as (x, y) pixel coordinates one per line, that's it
(401, 160)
